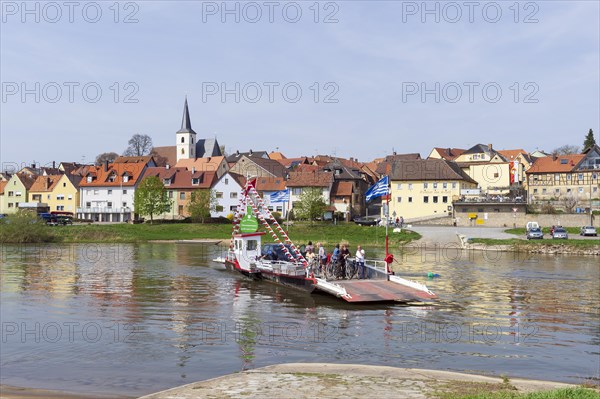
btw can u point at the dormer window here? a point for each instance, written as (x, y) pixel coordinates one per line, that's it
(89, 178)
(112, 178)
(563, 161)
(167, 182)
(125, 178)
(195, 181)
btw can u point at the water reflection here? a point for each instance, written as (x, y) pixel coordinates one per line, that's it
(132, 319)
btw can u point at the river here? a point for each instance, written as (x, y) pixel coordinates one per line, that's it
(133, 319)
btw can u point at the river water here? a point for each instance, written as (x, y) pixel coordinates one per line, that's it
(133, 319)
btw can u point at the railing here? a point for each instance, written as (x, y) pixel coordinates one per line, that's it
(104, 210)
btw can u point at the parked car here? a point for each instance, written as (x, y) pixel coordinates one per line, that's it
(535, 233)
(532, 225)
(49, 219)
(367, 220)
(64, 220)
(588, 231)
(560, 233)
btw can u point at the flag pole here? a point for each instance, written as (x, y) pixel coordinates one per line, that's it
(387, 222)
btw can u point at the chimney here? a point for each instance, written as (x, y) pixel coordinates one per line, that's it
(53, 164)
(208, 160)
(106, 165)
(237, 152)
(193, 169)
(250, 152)
(168, 166)
(490, 147)
(46, 182)
(33, 165)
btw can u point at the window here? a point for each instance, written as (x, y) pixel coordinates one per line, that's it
(70, 197)
(409, 199)
(47, 196)
(399, 199)
(581, 189)
(568, 190)
(568, 177)
(109, 205)
(60, 197)
(219, 208)
(170, 193)
(270, 208)
(88, 204)
(226, 181)
(233, 208)
(124, 204)
(426, 199)
(219, 194)
(195, 181)
(192, 140)
(435, 199)
(124, 191)
(109, 192)
(112, 178)
(89, 179)
(535, 190)
(399, 186)
(410, 186)
(580, 176)
(64, 184)
(557, 190)
(18, 194)
(445, 199)
(11, 193)
(11, 205)
(543, 191)
(297, 190)
(232, 195)
(454, 185)
(556, 177)
(96, 192)
(563, 161)
(60, 207)
(279, 209)
(125, 178)
(182, 196)
(445, 185)
(251, 245)
(435, 185)
(167, 182)
(182, 139)
(425, 185)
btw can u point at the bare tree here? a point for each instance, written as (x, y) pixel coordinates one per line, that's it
(159, 159)
(569, 201)
(139, 145)
(106, 156)
(566, 150)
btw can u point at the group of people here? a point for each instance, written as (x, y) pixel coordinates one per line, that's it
(339, 257)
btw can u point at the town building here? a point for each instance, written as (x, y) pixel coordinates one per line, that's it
(16, 190)
(228, 192)
(58, 192)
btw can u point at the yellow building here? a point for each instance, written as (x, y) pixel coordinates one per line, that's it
(59, 192)
(488, 168)
(424, 188)
(15, 191)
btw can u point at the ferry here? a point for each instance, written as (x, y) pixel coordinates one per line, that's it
(247, 257)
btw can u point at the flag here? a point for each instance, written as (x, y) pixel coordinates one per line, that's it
(280, 196)
(378, 189)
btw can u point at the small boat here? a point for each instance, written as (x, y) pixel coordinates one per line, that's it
(246, 256)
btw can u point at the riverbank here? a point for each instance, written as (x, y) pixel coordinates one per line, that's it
(300, 232)
(329, 381)
(332, 381)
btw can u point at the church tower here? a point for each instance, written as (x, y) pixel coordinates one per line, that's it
(186, 137)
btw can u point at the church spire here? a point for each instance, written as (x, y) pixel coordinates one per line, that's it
(186, 125)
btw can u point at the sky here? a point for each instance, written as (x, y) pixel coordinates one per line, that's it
(347, 78)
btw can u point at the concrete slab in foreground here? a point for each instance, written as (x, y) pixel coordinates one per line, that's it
(324, 381)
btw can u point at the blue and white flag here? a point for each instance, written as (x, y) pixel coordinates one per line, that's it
(378, 189)
(280, 196)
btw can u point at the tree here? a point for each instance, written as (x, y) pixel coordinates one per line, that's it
(569, 201)
(202, 203)
(139, 145)
(311, 204)
(151, 198)
(566, 150)
(590, 141)
(106, 156)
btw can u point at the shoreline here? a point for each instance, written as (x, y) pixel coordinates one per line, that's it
(324, 380)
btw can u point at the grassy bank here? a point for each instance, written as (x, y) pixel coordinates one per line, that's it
(300, 233)
(473, 390)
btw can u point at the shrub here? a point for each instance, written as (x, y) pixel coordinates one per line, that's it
(277, 216)
(549, 209)
(25, 227)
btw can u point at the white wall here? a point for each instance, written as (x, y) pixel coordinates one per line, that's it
(228, 187)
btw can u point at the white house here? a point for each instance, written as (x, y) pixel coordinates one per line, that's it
(228, 190)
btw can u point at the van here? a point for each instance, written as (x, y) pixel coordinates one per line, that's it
(531, 225)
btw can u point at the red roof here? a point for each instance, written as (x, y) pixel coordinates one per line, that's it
(560, 163)
(342, 189)
(449, 154)
(181, 178)
(113, 176)
(270, 184)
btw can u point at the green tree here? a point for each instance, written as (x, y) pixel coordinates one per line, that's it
(151, 198)
(311, 204)
(202, 203)
(590, 141)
